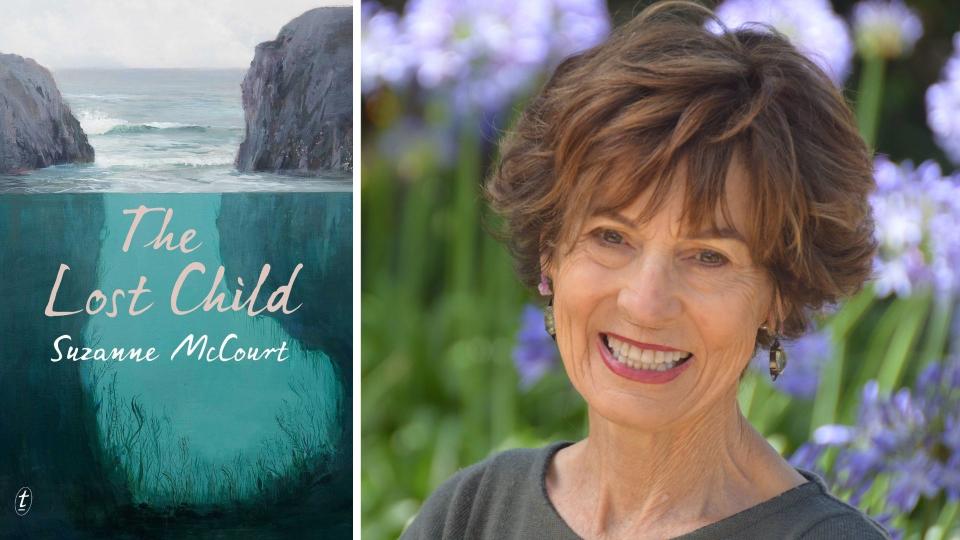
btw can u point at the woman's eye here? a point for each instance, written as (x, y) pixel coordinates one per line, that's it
(610, 237)
(711, 258)
(608, 247)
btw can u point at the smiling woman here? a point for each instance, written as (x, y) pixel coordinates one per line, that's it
(683, 197)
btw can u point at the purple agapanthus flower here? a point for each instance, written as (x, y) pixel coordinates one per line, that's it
(951, 477)
(385, 50)
(805, 358)
(535, 353)
(917, 214)
(910, 437)
(914, 477)
(807, 455)
(812, 26)
(480, 54)
(943, 105)
(888, 29)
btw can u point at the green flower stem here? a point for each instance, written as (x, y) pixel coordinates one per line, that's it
(870, 364)
(869, 97)
(444, 460)
(850, 314)
(827, 400)
(415, 236)
(474, 384)
(504, 395)
(465, 208)
(938, 331)
(944, 525)
(773, 408)
(901, 344)
(874, 499)
(765, 406)
(376, 194)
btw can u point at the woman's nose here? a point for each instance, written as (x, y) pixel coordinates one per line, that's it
(649, 294)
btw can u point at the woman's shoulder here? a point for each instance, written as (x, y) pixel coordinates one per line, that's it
(512, 462)
(505, 487)
(824, 516)
(808, 512)
(847, 524)
(502, 472)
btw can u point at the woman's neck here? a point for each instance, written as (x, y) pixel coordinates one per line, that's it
(668, 482)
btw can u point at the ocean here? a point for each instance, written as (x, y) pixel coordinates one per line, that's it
(158, 130)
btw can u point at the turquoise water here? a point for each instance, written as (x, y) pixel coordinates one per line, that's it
(158, 130)
(211, 431)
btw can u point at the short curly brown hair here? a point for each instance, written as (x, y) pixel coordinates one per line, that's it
(666, 90)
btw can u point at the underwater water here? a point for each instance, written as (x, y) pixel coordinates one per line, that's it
(211, 428)
(158, 130)
(183, 445)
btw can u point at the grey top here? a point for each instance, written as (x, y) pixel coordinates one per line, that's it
(505, 496)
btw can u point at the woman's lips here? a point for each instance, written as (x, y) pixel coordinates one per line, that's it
(639, 375)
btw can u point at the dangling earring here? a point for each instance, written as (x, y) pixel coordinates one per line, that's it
(778, 357)
(549, 324)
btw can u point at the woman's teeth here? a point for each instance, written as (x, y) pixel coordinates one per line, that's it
(644, 358)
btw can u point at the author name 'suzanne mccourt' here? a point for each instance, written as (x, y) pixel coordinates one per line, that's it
(227, 351)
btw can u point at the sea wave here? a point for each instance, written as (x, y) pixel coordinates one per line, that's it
(153, 126)
(99, 123)
(100, 97)
(217, 160)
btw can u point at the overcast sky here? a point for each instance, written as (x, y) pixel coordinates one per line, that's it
(144, 33)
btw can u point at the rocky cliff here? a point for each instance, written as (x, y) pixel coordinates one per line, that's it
(37, 128)
(47, 429)
(298, 98)
(318, 224)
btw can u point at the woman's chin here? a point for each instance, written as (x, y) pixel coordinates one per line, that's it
(628, 403)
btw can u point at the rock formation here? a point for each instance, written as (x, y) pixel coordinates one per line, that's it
(320, 224)
(47, 429)
(298, 98)
(37, 128)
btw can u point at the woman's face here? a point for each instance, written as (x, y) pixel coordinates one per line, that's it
(625, 290)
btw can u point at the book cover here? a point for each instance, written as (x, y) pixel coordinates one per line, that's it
(176, 246)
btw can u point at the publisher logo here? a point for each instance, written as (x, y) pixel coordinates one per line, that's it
(23, 501)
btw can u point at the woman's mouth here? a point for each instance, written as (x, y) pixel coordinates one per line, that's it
(647, 359)
(641, 363)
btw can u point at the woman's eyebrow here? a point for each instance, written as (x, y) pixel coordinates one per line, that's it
(618, 217)
(725, 233)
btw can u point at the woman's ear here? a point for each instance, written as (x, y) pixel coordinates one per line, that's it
(546, 266)
(776, 313)
(546, 277)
